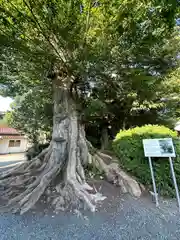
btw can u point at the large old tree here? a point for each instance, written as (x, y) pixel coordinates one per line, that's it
(76, 46)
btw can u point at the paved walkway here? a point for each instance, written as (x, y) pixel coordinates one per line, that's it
(131, 219)
(10, 160)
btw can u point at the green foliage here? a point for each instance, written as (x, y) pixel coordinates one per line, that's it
(120, 37)
(115, 54)
(32, 114)
(169, 94)
(129, 149)
(3, 122)
(92, 172)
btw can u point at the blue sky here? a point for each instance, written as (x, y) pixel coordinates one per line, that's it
(5, 103)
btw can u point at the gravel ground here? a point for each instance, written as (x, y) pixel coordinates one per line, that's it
(123, 218)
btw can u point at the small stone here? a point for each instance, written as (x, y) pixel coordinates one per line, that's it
(48, 192)
(60, 208)
(57, 188)
(54, 201)
(59, 202)
(86, 218)
(78, 213)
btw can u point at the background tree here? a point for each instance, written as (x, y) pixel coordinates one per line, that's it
(32, 114)
(170, 92)
(78, 46)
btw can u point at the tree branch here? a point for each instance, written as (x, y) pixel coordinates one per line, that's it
(41, 30)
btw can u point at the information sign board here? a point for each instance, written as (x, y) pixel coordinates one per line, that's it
(162, 147)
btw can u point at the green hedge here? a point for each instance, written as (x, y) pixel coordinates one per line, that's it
(129, 149)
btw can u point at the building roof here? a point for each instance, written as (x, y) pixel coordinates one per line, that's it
(12, 137)
(8, 131)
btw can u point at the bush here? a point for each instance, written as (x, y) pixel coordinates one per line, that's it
(129, 149)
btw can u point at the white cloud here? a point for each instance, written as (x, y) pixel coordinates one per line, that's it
(5, 103)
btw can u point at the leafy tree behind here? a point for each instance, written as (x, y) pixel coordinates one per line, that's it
(32, 114)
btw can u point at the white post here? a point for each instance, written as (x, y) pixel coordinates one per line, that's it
(174, 180)
(154, 183)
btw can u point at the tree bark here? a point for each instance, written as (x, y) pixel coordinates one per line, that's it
(60, 166)
(65, 157)
(104, 138)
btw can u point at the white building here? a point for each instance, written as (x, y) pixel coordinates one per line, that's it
(11, 141)
(177, 128)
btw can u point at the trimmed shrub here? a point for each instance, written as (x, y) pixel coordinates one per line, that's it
(128, 147)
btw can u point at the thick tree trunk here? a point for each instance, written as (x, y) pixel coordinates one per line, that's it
(104, 138)
(60, 166)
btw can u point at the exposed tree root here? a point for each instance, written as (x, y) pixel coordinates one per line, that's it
(25, 184)
(61, 167)
(113, 173)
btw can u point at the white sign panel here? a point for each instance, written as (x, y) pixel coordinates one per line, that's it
(162, 147)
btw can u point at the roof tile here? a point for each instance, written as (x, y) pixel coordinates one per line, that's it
(7, 130)
(12, 137)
